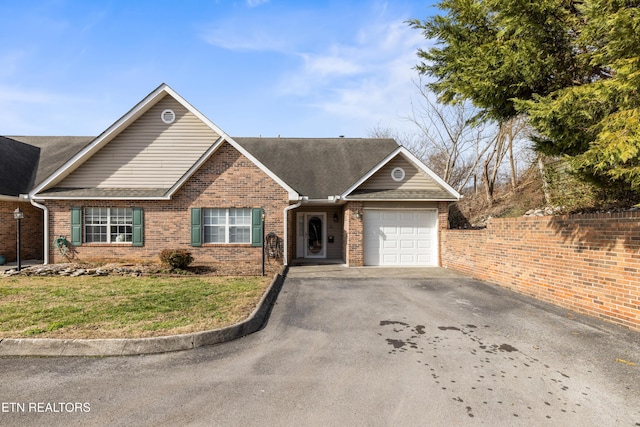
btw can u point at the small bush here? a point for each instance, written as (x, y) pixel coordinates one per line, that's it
(176, 258)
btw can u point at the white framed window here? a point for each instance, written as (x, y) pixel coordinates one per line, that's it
(226, 225)
(108, 225)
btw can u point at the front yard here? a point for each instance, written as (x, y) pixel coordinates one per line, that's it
(124, 306)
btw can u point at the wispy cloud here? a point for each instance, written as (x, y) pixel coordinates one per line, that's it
(256, 3)
(369, 79)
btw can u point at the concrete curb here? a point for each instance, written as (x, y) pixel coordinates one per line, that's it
(136, 346)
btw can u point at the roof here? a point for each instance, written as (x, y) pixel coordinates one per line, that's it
(54, 151)
(319, 167)
(105, 193)
(434, 194)
(17, 166)
(28, 160)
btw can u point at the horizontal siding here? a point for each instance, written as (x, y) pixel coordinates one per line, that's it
(415, 179)
(147, 154)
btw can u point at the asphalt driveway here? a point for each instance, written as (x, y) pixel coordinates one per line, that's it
(374, 347)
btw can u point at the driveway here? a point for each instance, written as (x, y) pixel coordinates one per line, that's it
(365, 347)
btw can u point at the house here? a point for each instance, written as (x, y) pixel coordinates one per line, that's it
(165, 176)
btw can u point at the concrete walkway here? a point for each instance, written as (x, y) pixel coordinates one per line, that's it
(23, 264)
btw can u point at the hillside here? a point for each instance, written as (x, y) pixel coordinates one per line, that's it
(565, 195)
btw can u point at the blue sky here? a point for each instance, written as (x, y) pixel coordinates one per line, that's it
(253, 67)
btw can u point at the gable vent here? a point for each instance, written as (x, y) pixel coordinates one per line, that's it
(168, 116)
(397, 174)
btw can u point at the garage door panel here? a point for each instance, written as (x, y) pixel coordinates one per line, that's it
(407, 244)
(389, 259)
(402, 237)
(424, 244)
(390, 244)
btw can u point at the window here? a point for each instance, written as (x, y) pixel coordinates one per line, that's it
(226, 225)
(108, 225)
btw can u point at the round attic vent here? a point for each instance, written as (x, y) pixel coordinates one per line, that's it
(168, 116)
(397, 174)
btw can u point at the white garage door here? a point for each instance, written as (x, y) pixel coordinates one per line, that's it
(400, 237)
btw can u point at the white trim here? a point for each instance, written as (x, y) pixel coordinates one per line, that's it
(286, 210)
(413, 159)
(10, 199)
(41, 197)
(362, 199)
(45, 212)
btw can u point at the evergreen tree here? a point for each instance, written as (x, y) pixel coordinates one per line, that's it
(573, 67)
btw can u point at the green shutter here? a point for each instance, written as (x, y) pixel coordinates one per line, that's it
(196, 227)
(138, 227)
(76, 226)
(256, 227)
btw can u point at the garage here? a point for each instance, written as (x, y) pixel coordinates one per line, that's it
(395, 237)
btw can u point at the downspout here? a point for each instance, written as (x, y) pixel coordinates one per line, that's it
(285, 257)
(46, 228)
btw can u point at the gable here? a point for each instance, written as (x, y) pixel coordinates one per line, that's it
(402, 177)
(148, 153)
(414, 179)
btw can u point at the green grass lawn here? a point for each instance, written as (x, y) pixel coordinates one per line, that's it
(123, 307)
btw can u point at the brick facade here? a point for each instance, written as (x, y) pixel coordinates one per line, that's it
(30, 231)
(586, 263)
(226, 180)
(353, 234)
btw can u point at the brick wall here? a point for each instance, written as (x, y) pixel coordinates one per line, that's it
(586, 263)
(226, 180)
(353, 234)
(31, 231)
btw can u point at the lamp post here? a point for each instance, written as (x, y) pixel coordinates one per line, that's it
(262, 216)
(18, 215)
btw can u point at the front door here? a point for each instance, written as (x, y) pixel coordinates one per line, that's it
(314, 234)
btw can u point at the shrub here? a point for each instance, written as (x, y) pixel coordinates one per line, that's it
(176, 258)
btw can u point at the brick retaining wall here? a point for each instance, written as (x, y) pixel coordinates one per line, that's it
(586, 263)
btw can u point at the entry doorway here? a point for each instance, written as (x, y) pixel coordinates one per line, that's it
(312, 235)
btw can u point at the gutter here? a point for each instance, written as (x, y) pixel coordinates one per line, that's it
(285, 257)
(46, 227)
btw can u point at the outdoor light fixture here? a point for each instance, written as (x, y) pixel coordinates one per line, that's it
(18, 215)
(357, 214)
(335, 217)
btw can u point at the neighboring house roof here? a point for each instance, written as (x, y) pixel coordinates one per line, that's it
(28, 160)
(54, 151)
(18, 165)
(319, 167)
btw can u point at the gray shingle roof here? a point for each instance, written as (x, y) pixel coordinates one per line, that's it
(432, 194)
(18, 165)
(54, 152)
(112, 193)
(319, 167)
